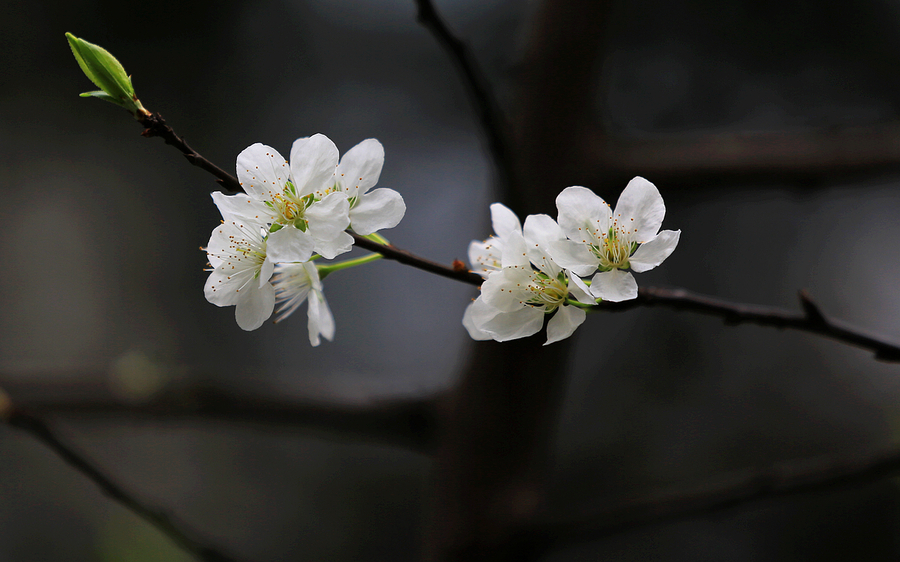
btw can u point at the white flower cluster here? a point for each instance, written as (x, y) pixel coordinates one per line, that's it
(537, 270)
(293, 213)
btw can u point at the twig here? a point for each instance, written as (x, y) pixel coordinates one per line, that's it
(175, 530)
(810, 320)
(774, 482)
(493, 123)
(156, 127)
(411, 423)
(392, 252)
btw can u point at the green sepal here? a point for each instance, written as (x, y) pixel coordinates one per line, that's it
(275, 227)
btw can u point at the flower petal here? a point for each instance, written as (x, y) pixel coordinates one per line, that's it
(540, 231)
(221, 286)
(581, 213)
(504, 221)
(290, 244)
(320, 319)
(266, 271)
(504, 326)
(360, 168)
(654, 252)
(469, 324)
(574, 256)
(243, 208)
(614, 286)
(255, 306)
(514, 252)
(329, 249)
(262, 171)
(642, 202)
(485, 257)
(379, 209)
(313, 161)
(563, 323)
(580, 291)
(507, 289)
(328, 217)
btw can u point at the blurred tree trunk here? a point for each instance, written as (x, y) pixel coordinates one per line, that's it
(491, 464)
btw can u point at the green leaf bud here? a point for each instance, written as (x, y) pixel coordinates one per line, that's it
(107, 73)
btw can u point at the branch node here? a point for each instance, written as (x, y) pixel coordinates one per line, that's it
(811, 310)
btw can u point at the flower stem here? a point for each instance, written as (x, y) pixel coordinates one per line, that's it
(375, 237)
(324, 270)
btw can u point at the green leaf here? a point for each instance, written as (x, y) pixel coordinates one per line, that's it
(107, 73)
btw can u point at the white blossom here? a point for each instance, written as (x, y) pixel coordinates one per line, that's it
(357, 173)
(298, 282)
(487, 256)
(240, 274)
(613, 241)
(291, 199)
(515, 298)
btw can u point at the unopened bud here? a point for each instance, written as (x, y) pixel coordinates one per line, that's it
(107, 73)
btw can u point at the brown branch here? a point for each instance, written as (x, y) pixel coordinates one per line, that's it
(775, 482)
(167, 524)
(811, 320)
(156, 127)
(392, 252)
(493, 123)
(410, 423)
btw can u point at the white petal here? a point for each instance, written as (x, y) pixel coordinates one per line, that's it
(504, 221)
(563, 323)
(654, 252)
(507, 326)
(360, 168)
(540, 231)
(582, 211)
(580, 291)
(242, 208)
(469, 324)
(379, 209)
(255, 306)
(614, 286)
(266, 271)
(574, 256)
(290, 244)
(329, 249)
(515, 253)
(320, 319)
(486, 256)
(218, 242)
(328, 217)
(641, 201)
(220, 287)
(313, 161)
(505, 290)
(262, 171)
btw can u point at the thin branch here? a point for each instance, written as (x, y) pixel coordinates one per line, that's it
(156, 127)
(167, 524)
(775, 482)
(493, 123)
(410, 423)
(458, 272)
(811, 320)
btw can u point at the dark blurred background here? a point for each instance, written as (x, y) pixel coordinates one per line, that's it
(101, 285)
